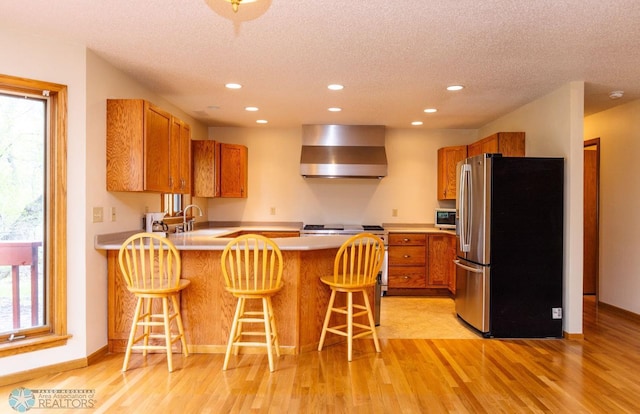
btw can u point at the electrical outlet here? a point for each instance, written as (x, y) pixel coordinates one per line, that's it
(394, 212)
(273, 211)
(97, 214)
(113, 214)
(556, 313)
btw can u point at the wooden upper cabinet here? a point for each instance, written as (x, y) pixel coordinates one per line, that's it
(509, 144)
(219, 170)
(448, 158)
(142, 154)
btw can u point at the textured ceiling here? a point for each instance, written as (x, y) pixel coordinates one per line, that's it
(395, 57)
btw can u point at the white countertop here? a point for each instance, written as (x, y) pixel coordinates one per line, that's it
(418, 229)
(214, 239)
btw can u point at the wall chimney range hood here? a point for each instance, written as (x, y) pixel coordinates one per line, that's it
(343, 151)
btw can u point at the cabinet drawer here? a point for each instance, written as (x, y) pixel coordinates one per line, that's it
(407, 277)
(407, 239)
(407, 255)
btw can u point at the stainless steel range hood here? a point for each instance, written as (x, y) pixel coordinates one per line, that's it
(343, 151)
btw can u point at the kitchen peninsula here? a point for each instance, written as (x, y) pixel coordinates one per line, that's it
(207, 309)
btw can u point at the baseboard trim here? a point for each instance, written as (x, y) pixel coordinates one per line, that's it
(619, 311)
(54, 369)
(572, 336)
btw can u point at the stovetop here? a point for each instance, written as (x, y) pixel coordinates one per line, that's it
(342, 227)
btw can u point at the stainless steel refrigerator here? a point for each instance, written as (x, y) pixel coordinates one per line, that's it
(509, 226)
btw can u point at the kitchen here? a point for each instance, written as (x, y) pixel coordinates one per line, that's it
(274, 157)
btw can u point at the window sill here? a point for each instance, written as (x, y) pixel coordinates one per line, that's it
(32, 344)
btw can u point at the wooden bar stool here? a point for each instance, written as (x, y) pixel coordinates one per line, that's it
(151, 268)
(355, 269)
(252, 269)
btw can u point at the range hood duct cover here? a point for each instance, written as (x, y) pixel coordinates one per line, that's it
(343, 151)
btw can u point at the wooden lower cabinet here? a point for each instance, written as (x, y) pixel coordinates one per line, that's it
(421, 261)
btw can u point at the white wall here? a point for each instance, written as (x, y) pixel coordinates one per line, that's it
(275, 180)
(553, 126)
(619, 133)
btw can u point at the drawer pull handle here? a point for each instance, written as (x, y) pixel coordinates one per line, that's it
(406, 256)
(405, 240)
(406, 277)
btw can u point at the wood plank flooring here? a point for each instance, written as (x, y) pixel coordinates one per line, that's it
(600, 374)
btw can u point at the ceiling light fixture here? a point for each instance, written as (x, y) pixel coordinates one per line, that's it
(261, 121)
(335, 87)
(616, 94)
(233, 85)
(455, 87)
(430, 110)
(236, 3)
(251, 108)
(335, 109)
(416, 123)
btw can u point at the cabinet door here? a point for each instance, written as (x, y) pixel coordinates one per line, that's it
(157, 149)
(448, 159)
(125, 144)
(233, 171)
(452, 266)
(180, 157)
(205, 171)
(440, 260)
(511, 144)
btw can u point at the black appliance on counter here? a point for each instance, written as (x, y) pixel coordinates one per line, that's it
(509, 268)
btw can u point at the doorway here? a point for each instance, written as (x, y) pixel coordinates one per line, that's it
(591, 223)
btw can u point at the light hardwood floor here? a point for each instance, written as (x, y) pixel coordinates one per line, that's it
(600, 374)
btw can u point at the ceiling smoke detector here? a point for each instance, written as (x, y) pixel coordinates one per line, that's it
(616, 94)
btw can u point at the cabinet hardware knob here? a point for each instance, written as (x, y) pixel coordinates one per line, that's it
(405, 240)
(406, 277)
(406, 256)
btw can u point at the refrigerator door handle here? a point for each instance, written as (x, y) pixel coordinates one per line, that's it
(465, 267)
(465, 205)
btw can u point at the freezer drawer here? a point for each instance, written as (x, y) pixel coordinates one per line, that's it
(472, 294)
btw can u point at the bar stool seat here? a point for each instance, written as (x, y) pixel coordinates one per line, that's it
(252, 268)
(151, 268)
(356, 268)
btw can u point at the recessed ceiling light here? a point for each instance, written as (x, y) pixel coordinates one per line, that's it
(335, 87)
(335, 109)
(616, 94)
(430, 110)
(455, 87)
(251, 108)
(233, 85)
(261, 121)
(416, 123)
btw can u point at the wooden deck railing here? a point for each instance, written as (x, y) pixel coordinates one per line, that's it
(16, 254)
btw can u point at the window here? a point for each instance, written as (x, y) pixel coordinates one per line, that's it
(32, 215)
(172, 204)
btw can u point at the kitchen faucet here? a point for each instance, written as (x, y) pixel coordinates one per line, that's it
(184, 218)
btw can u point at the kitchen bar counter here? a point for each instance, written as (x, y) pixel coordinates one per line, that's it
(207, 308)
